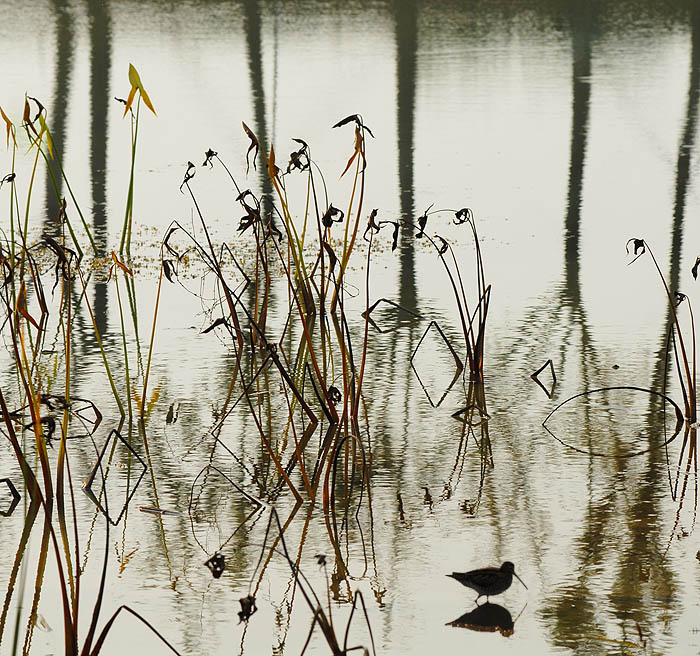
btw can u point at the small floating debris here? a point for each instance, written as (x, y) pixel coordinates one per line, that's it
(334, 395)
(427, 498)
(160, 511)
(172, 415)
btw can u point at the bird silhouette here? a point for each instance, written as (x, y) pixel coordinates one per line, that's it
(488, 581)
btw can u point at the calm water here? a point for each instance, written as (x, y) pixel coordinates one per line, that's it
(568, 128)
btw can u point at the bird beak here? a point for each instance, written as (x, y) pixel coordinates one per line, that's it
(519, 579)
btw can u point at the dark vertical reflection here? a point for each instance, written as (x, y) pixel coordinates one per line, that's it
(59, 107)
(685, 150)
(406, 47)
(655, 476)
(100, 62)
(253, 31)
(275, 65)
(582, 36)
(635, 492)
(571, 609)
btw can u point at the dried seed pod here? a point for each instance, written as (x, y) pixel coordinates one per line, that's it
(216, 564)
(334, 394)
(248, 608)
(208, 157)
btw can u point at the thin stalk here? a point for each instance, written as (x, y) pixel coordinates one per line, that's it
(126, 352)
(128, 212)
(153, 335)
(103, 354)
(691, 409)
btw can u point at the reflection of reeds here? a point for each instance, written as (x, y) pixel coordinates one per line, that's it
(473, 322)
(45, 416)
(474, 417)
(48, 483)
(684, 355)
(322, 617)
(289, 384)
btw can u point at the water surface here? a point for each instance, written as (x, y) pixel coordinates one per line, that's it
(568, 128)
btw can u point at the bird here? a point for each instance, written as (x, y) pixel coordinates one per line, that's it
(488, 581)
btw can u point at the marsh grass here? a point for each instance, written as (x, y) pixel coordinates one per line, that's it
(42, 415)
(299, 383)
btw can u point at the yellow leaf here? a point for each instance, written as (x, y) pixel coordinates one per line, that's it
(44, 128)
(21, 305)
(149, 404)
(136, 83)
(350, 161)
(27, 118)
(129, 100)
(154, 399)
(358, 150)
(147, 100)
(9, 126)
(272, 170)
(121, 265)
(134, 77)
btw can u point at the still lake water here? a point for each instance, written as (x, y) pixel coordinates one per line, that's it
(568, 128)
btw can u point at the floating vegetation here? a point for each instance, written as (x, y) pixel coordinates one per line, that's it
(216, 565)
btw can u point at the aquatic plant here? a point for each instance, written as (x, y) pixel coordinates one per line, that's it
(136, 85)
(318, 360)
(473, 322)
(682, 343)
(31, 319)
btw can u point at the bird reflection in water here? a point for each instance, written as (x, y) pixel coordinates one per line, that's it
(486, 582)
(487, 617)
